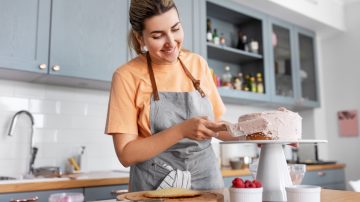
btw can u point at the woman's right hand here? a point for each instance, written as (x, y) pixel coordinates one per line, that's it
(199, 128)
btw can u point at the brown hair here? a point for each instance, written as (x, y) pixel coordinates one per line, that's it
(140, 10)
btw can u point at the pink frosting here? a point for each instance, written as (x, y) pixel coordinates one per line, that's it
(281, 124)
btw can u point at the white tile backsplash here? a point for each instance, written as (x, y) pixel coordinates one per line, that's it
(65, 119)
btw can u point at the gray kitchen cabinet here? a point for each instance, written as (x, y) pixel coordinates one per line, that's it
(293, 65)
(77, 43)
(282, 62)
(286, 57)
(74, 39)
(102, 192)
(306, 64)
(234, 21)
(88, 38)
(24, 34)
(43, 195)
(328, 179)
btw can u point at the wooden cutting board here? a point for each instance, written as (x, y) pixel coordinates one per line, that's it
(204, 196)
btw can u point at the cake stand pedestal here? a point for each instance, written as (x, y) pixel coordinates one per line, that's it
(272, 169)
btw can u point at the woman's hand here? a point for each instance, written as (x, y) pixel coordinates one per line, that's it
(199, 128)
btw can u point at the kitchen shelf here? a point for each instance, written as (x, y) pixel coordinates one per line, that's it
(231, 55)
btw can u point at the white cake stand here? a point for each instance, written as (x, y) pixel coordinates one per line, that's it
(272, 169)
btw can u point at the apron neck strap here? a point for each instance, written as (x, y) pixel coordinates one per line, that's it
(152, 77)
(195, 82)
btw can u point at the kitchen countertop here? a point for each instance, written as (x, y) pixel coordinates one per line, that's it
(327, 195)
(106, 178)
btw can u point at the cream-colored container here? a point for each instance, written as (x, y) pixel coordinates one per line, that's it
(245, 194)
(303, 193)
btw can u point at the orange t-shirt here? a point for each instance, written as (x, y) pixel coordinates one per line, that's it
(131, 91)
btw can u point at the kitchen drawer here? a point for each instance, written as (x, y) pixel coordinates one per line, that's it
(228, 180)
(102, 192)
(324, 177)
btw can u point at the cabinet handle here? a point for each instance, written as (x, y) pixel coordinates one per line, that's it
(43, 66)
(321, 174)
(56, 68)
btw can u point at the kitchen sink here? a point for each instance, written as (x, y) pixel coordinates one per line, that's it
(6, 178)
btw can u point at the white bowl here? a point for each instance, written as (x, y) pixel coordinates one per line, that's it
(245, 194)
(301, 193)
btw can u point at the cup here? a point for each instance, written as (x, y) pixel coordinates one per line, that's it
(245, 194)
(297, 173)
(301, 193)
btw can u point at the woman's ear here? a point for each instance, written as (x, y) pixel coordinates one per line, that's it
(139, 38)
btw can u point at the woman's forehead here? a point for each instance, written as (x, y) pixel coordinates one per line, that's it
(163, 21)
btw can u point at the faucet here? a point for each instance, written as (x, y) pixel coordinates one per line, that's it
(33, 150)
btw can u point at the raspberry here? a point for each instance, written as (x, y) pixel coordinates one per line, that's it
(238, 183)
(257, 183)
(251, 185)
(247, 181)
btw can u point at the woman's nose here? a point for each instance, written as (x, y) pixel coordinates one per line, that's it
(170, 40)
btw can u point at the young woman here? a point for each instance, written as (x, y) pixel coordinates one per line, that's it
(164, 106)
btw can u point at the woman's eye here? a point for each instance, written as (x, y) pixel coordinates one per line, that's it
(176, 29)
(156, 36)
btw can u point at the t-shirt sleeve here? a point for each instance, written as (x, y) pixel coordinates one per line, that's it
(215, 99)
(122, 111)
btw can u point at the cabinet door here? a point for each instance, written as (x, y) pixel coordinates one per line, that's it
(186, 10)
(282, 62)
(88, 38)
(24, 34)
(307, 78)
(42, 195)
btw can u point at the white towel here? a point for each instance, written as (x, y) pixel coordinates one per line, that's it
(176, 179)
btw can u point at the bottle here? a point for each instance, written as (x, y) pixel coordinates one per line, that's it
(209, 35)
(216, 38)
(254, 46)
(242, 41)
(238, 82)
(253, 84)
(83, 159)
(259, 83)
(222, 39)
(226, 77)
(247, 86)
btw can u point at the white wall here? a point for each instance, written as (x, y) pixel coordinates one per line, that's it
(317, 15)
(65, 119)
(340, 64)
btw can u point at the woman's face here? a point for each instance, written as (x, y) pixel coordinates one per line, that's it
(163, 37)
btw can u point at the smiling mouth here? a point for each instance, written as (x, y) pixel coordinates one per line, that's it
(169, 51)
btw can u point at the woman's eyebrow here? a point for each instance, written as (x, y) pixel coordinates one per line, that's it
(158, 31)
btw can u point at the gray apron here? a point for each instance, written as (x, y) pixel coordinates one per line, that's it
(188, 163)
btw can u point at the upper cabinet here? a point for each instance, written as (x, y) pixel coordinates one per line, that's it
(79, 39)
(24, 34)
(236, 45)
(307, 69)
(259, 59)
(88, 38)
(282, 62)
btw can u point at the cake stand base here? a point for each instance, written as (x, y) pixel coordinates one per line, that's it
(273, 172)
